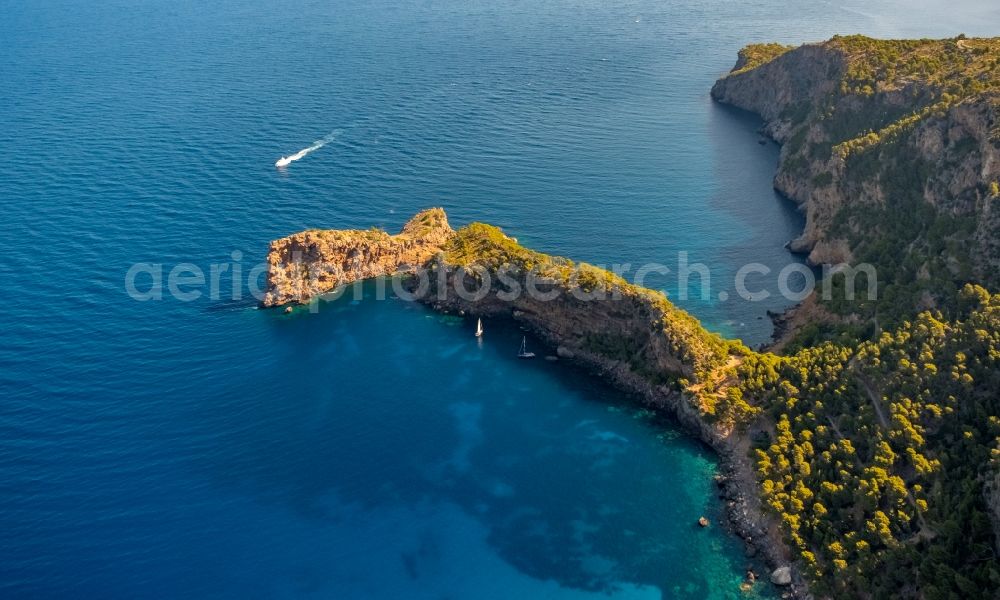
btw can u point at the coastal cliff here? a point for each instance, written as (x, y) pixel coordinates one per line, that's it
(309, 263)
(633, 337)
(890, 148)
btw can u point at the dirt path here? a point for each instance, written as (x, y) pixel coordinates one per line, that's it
(871, 392)
(876, 400)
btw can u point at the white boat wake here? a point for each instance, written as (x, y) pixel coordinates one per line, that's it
(284, 161)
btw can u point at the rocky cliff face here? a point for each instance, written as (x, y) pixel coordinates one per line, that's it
(623, 338)
(888, 148)
(312, 262)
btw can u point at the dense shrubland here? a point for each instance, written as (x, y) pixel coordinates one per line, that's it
(875, 454)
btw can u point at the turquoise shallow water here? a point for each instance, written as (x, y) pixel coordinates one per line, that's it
(169, 449)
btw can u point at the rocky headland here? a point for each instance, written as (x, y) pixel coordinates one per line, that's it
(309, 263)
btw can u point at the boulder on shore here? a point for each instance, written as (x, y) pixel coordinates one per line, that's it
(782, 576)
(564, 352)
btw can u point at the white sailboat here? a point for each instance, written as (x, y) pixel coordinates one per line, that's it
(523, 353)
(479, 328)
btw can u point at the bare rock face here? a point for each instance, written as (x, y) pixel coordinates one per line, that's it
(313, 262)
(802, 75)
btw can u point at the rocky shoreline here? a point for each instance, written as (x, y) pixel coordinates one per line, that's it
(306, 264)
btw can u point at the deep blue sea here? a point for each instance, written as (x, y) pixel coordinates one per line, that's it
(372, 449)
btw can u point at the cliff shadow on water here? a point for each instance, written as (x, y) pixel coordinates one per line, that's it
(743, 189)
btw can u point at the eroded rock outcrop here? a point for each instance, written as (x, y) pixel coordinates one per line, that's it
(781, 576)
(315, 261)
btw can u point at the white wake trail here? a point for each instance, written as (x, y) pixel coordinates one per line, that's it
(284, 161)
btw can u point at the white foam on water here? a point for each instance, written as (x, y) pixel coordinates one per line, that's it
(284, 161)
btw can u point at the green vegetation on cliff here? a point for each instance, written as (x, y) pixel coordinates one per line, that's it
(879, 146)
(707, 357)
(871, 454)
(876, 455)
(754, 55)
(932, 75)
(946, 69)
